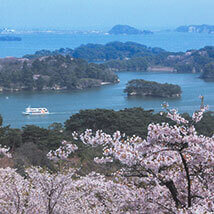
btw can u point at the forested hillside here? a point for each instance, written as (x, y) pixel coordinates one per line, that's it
(131, 56)
(52, 73)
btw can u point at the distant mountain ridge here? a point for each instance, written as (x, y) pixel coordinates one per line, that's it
(196, 29)
(126, 29)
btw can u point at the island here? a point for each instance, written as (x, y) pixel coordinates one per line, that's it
(52, 73)
(126, 29)
(140, 87)
(132, 56)
(10, 38)
(196, 29)
(102, 53)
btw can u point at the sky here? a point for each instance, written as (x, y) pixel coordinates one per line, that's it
(103, 14)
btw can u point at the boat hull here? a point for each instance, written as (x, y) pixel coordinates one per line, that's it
(27, 113)
(35, 111)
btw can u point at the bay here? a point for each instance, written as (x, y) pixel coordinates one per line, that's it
(63, 104)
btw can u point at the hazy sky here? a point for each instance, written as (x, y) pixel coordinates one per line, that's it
(103, 14)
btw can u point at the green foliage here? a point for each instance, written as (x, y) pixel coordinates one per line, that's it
(184, 68)
(131, 56)
(97, 52)
(10, 137)
(132, 121)
(93, 119)
(30, 155)
(208, 73)
(206, 125)
(133, 64)
(209, 50)
(1, 120)
(40, 83)
(58, 127)
(114, 50)
(148, 88)
(43, 138)
(53, 72)
(27, 77)
(41, 53)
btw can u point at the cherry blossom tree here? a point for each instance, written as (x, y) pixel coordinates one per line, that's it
(4, 151)
(174, 164)
(54, 193)
(171, 171)
(63, 191)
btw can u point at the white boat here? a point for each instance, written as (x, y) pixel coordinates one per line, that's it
(35, 111)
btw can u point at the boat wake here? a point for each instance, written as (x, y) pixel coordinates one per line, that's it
(62, 113)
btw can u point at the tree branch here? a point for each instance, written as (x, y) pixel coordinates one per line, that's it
(187, 178)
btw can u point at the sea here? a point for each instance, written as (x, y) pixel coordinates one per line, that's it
(63, 104)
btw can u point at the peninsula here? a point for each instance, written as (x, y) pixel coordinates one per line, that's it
(52, 73)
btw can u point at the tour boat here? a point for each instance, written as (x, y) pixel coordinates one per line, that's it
(35, 111)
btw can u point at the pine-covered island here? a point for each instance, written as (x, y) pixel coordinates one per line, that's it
(140, 87)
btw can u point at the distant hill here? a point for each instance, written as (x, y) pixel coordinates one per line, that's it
(196, 29)
(98, 52)
(126, 29)
(131, 56)
(10, 38)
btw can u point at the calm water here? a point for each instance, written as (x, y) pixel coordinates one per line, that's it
(63, 104)
(170, 41)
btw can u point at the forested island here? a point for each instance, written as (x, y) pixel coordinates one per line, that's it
(196, 29)
(67, 69)
(140, 87)
(101, 53)
(126, 29)
(10, 38)
(131, 56)
(52, 73)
